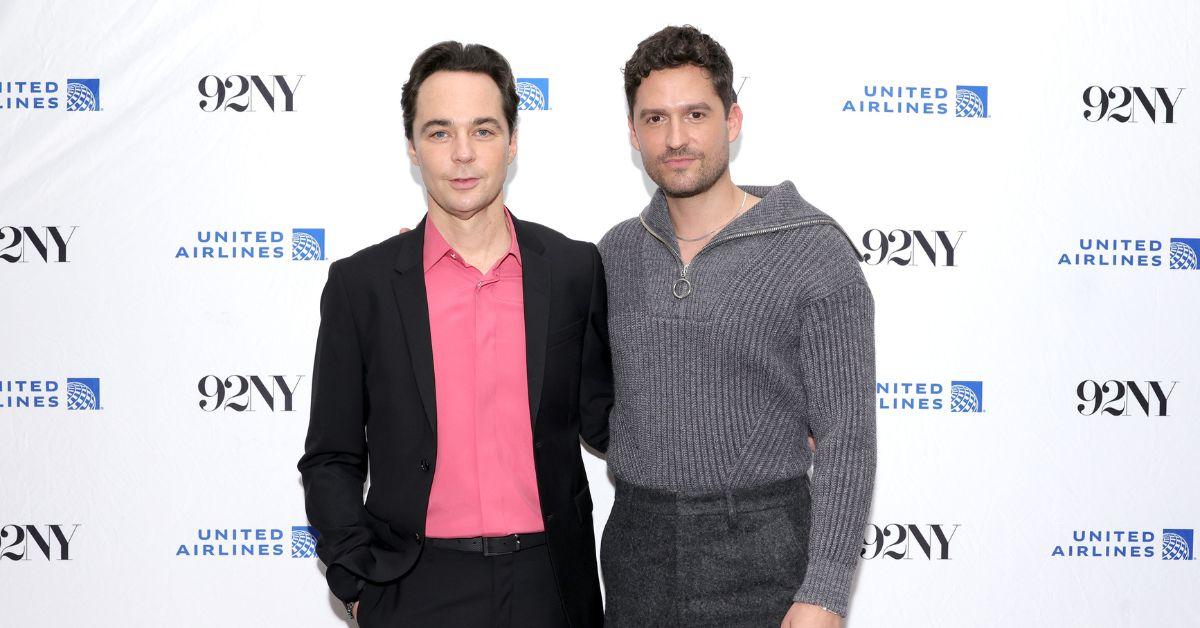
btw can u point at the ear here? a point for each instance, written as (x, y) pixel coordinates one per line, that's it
(633, 138)
(412, 154)
(512, 147)
(733, 122)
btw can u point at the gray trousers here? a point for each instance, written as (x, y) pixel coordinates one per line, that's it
(723, 559)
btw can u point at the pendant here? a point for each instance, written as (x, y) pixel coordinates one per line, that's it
(682, 288)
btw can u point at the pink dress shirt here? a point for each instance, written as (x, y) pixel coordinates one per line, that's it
(484, 482)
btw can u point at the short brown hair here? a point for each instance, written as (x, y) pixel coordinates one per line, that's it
(676, 46)
(452, 56)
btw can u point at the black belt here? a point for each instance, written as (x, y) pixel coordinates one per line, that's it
(491, 545)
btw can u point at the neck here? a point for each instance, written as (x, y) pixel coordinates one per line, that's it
(694, 215)
(476, 235)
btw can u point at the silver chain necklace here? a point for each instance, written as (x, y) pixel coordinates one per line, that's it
(735, 215)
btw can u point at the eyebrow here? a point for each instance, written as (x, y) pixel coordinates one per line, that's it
(702, 106)
(444, 122)
(433, 123)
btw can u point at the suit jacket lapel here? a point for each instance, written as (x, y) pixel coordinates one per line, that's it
(408, 286)
(535, 277)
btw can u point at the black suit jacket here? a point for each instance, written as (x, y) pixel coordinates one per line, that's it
(373, 407)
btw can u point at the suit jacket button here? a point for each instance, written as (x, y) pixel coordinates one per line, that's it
(549, 516)
(425, 465)
(417, 537)
(537, 445)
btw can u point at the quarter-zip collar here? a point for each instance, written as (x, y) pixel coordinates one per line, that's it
(781, 207)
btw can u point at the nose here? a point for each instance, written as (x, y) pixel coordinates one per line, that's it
(675, 135)
(464, 152)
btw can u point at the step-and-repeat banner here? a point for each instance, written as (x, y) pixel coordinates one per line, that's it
(1022, 180)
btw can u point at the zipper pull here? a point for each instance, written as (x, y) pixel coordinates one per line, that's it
(682, 288)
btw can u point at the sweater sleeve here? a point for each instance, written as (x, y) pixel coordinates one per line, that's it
(838, 374)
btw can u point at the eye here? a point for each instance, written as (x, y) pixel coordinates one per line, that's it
(485, 132)
(697, 115)
(654, 119)
(438, 135)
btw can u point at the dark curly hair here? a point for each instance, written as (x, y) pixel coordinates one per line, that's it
(453, 56)
(676, 46)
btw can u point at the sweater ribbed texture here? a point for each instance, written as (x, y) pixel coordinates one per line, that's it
(720, 389)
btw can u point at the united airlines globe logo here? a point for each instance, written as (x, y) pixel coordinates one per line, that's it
(533, 94)
(83, 393)
(1183, 253)
(304, 542)
(308, 244)
(83, 94)
(966, 396)
(970, 101)
(1177, 544)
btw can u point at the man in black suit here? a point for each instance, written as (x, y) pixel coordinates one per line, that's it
(479, 511)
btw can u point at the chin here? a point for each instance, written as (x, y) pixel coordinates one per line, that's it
(457, 203)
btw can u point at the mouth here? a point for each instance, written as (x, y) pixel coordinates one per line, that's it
(464, 183)
(679, 163)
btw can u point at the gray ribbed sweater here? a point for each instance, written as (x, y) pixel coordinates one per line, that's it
(719, 389)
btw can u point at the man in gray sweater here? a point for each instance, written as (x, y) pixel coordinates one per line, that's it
(741, 325)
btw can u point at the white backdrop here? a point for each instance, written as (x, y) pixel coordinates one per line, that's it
(132, 486)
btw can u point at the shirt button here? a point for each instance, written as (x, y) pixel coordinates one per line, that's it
(424, 465)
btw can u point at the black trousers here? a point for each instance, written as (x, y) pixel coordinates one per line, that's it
(460, 589)
(721, 560)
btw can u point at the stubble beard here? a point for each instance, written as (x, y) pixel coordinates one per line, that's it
(707, 175)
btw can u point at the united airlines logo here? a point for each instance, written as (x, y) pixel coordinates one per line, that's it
(966, 396)
(1177, 544)
(1184, 253)
(964, 101)
(83, 94)
(83, 393)
(956, 395)
(304, 542)
(1171, 544)
(80, 94)
(970, 101)
(307, 245)
(1173, 253)
(74, 393)
(533, 94)
(250, 542)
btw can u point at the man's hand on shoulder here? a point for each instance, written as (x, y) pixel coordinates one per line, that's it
(810, 616)
(355, 609)
(404, 229)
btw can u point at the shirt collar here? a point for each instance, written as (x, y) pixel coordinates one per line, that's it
(436, 246)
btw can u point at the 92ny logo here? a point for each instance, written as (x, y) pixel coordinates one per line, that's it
(904, 247)
(53, 544)
(239, 392)
(906, 541)
(233, 93)
(1113, 397)
(1121, 104)
(48, 243)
